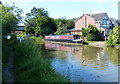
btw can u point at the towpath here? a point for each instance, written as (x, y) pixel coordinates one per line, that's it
(9, 69)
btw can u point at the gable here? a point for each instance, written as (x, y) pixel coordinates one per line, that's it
(82, 16)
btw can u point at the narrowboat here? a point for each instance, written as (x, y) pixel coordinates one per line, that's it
(64, 38)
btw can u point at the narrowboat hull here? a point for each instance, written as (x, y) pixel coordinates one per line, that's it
(64, 40)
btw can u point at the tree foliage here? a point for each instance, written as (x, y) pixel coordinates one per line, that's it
(84, 32)
(61, 30)
(63, 25)
(92, 33)
(114, 37)
(11, 15)
(38, 23)
(115, 34)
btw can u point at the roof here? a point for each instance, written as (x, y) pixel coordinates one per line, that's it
(112, 19)
(98, 16)
(72, 29)
(81, 16)
(20, 24)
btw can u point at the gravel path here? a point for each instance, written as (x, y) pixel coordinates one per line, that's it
(8, 71)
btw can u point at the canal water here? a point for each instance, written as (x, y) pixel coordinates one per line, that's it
(85, 63)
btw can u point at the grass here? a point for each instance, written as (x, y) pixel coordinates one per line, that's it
(92, 41)
(5, 55)
(32, 65)
(117, 44)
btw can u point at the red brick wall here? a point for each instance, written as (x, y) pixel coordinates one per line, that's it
(85, 21)
(79, 24)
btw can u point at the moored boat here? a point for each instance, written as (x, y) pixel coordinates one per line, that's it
(64, 38)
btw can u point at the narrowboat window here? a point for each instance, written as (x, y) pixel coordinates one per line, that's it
(48, 37)
(69, 37)
(76, 37)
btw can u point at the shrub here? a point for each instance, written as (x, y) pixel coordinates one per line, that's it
(110, 42)
(114, 37)
(90, 37)
(37, 40)
(92, 33)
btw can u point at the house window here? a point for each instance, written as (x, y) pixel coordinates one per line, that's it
(104, 23)
(83, 22)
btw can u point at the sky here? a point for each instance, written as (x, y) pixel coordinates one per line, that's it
(68, 8)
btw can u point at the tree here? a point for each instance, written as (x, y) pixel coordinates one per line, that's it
(63, 25)
(93, 34)
(70, 23)
(38, 23)
(11, 15)
(114, 37)
(61, 30)
(84, 32)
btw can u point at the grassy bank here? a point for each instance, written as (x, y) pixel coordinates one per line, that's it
(93, 41)
(31, 64)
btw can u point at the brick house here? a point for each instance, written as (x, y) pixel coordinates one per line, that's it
(101, 20)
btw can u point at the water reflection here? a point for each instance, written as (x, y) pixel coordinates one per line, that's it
(85, 63)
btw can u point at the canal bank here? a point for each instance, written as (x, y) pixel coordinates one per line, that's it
(101, 44)
(31, 64)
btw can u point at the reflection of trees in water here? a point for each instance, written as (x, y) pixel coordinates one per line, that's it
(84, 54)
(88, 55)
(91, 52)
(113, 53)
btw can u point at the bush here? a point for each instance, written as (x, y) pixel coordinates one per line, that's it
(110, 42)
(90, 37)
(92, 33)
(114, 37)
(37, 40)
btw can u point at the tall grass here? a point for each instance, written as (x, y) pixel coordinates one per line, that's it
(32, 66)
(5, 55)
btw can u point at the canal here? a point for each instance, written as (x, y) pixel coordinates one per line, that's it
(85, 63)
